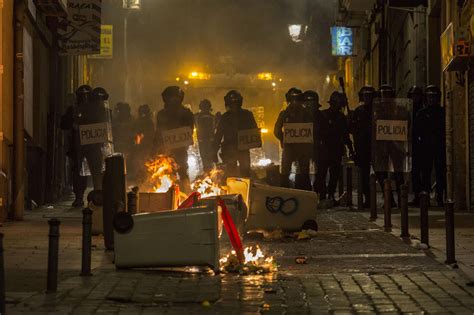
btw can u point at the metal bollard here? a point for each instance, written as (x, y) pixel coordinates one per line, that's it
(349, 186)
(387, 205)
(360, 193)
(450, 236)
(53, 248)
(373, 197)
(424, 205)
(86, 242)
(2, 277)
(340, 184)
(404, 211)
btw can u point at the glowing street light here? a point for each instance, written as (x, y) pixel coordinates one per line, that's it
(199, 75)
(297, 32)
(131, 4)
(266, 76)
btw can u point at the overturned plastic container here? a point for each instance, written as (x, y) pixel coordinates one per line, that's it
(158, 201)
(186, 237)
(272, 208)
(235, 205)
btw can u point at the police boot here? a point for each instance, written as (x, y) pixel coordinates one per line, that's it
(78, 202)
(415, 202)
(439, 200)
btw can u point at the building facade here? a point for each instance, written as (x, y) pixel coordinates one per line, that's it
(34, 84)
(399, 43)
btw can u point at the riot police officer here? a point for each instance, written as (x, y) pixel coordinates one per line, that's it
(144, 131)
(144, 127)
(311, 102)
(389, 152)
(122, 128)
(94, 112)
(294, 152)
(68, 122)
(205, 125)
(334, 139)
(361, 129)
(174, 115)
(431, 139)
(235, 119)
(416, 95)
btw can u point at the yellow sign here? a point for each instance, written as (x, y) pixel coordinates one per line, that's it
(106, 42)
(447, 46)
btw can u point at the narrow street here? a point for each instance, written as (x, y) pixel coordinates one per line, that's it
(351, 266)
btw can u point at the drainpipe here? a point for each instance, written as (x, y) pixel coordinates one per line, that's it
(18, 116)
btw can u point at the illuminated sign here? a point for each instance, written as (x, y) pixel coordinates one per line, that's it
(342, 41)
(106, 43)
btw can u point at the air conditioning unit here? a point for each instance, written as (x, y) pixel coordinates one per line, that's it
(52, 7)
(272, 208)
(185, 237)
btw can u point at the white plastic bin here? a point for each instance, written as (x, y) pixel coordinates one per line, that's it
(186, 237)
(273, 207)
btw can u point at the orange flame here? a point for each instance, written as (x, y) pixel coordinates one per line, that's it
(138, 138)
(162, 172)
(255, 262)
(209, 185)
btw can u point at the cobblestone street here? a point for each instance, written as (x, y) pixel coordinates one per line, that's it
(352, 267)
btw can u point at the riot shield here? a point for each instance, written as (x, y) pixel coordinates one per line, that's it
(391, 135)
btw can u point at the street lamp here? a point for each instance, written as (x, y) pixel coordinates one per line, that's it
(128, 5)
(297, 32)
(131, 4)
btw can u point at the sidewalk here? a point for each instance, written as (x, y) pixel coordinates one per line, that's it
(352, 266)
(464, 235)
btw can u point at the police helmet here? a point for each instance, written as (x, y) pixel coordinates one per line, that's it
(387, 90)
(233, 97)
(433, 89)
(311, 95)
(122, 107)
(172, 92)
(294, 94)
(100, 93)
(205, 104)
(414, 90)
(144, 110)
(367, 89)
(335, 97)
(83, 90)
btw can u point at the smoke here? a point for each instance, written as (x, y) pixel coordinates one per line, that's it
(169, 38)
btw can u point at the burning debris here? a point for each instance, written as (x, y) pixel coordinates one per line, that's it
(162, 172)
(255, 262)
(209, 185)
(138, 138)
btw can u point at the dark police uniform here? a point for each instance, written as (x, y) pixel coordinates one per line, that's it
(334, 137)
(205, 125)
(431, 143)
(294, 152)
(172, 117)
(361, 129)
(226, 138)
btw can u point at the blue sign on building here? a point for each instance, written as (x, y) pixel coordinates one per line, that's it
(342, 41)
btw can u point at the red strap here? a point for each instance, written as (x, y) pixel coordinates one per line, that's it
(190, 201)
(231, 231)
